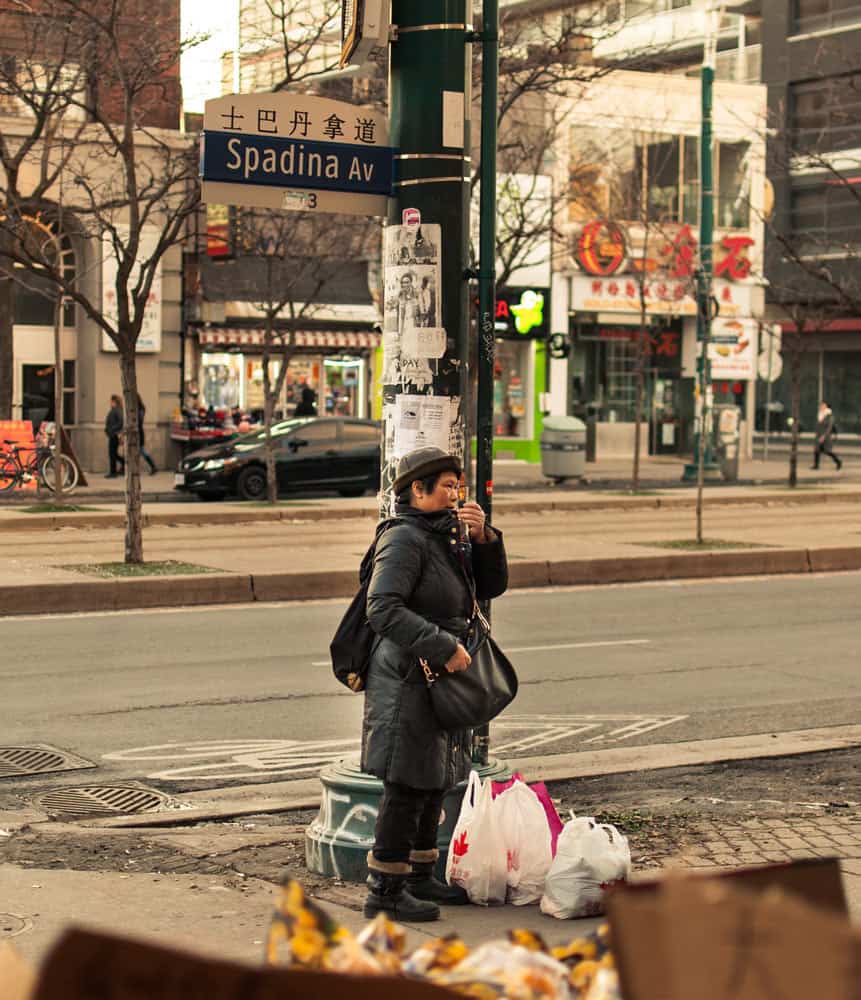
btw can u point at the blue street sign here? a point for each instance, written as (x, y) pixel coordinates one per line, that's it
(274, 161)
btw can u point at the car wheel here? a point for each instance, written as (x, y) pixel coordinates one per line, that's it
(352, 491)
(251, 484)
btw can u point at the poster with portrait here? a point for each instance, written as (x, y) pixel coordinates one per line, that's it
(413, 337)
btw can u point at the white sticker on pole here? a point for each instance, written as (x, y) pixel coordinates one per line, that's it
(453, 132)
(421, 421)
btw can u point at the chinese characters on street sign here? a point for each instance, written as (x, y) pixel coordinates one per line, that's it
(294, 151)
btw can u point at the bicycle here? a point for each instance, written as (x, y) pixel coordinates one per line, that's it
(39, 464)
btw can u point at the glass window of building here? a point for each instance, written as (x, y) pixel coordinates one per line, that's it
(820, 15)
(511, 388)
(826, 114)
(732, 210)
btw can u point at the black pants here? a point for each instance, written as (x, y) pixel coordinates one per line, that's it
(114, 458)
(408, 820)
(822, 450)
(144, 453)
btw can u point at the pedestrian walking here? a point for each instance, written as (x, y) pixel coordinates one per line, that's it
(428, 565)
(307, 406)
(825, 431)
(146, 455)
(113, 429)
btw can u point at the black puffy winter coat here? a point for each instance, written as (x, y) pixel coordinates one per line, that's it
(419, 602)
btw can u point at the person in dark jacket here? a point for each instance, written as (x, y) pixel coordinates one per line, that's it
(825, 436)
(429, 562)
(144, 453)
(307, 406)
(113, 429)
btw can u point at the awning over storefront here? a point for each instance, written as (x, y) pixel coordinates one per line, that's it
(324, 339)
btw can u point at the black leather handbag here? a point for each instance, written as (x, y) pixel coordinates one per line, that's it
(472, 697)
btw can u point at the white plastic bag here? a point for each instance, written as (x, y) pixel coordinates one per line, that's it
(590, 857)
(525, 833)
(476, 855)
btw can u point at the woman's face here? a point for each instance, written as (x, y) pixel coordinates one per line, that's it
(444, 494)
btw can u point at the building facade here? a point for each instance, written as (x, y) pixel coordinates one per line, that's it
(90, 364)
(812, 67)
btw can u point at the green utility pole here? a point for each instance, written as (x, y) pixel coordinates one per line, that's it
(428, 102)
(489, 38)
(704, 467)
(428, 94)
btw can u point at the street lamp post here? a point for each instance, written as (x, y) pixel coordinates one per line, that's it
(704, 467)
(486, 285)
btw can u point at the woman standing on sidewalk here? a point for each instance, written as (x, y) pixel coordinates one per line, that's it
(427, 565)
(825, 436)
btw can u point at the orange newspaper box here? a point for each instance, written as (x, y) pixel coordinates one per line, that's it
(19, 432)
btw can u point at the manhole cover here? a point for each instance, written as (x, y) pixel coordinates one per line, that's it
(38, 759)
(11, 925)
(101, 800)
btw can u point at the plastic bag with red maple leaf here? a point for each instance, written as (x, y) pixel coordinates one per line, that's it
(476, 856)
(523, 825)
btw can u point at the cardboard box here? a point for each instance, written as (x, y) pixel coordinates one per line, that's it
(777, 932)
(85, 966)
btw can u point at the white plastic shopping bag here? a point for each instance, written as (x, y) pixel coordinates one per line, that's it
(522, 823)
(476, 855)
(590, 858)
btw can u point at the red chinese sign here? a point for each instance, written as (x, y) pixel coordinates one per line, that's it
(601, 248)
(602, 251)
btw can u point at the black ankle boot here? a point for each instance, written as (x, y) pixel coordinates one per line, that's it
(423, 885)
(388, 894)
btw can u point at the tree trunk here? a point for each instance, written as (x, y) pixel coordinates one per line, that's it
(134, 527)
(58, 399)
(795, 368)
(268, 410)
(638, 414)
(7, 357)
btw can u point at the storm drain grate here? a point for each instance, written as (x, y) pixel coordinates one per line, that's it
(102, 800)
(38, 759)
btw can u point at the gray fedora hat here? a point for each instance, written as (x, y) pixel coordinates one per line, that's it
(421, 463)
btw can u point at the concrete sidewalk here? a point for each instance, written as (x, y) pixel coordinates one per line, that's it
(310, 550)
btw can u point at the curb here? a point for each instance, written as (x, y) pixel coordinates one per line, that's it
(239, 588)
(239, 514)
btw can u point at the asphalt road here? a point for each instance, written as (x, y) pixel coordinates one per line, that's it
(192, 699)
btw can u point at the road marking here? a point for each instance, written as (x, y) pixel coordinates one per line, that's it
(541, 649)
(578, 645)
(541, 731)
(211, 760)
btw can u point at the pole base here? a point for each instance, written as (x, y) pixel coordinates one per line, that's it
(338, 840)
(711, 472)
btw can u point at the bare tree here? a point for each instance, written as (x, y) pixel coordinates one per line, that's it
(301, 256)
(106, 71)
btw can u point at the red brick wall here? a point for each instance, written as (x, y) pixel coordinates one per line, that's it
(148, 40)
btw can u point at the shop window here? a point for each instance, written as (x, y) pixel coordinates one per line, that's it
(221, 381)
(828, 218)
(511, 389)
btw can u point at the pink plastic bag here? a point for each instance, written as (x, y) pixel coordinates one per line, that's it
(540, 789)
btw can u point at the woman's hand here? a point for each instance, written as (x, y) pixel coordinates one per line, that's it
(472, 516)
(460, 661)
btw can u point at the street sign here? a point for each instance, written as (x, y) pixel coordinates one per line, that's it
(770, 369)
(297, 152)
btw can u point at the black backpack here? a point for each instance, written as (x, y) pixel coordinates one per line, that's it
(354, 638)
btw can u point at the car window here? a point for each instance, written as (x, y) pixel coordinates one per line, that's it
(355, 433)
(317, 432)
